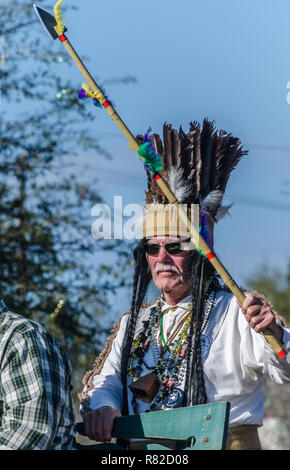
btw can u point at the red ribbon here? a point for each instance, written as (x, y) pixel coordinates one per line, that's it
(106, 104)
(210, 255)
(281, 354)
(62, 37)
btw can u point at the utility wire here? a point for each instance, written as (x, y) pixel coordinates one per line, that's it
(268, 147)
(255, 202)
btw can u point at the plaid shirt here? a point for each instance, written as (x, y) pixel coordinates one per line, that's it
(36, 410)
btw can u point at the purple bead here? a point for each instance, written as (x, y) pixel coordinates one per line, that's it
(82, 94)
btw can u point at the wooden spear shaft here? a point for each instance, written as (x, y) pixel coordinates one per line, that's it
(196, 238)
(109, 108)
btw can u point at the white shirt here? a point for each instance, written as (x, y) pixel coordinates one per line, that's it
(235, 359)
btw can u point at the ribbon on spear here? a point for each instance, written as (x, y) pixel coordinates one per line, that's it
(56, 29)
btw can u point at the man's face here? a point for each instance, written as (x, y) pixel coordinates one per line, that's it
(170, 272)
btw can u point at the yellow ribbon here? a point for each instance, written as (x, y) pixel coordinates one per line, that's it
(58, 17)
(93, 94)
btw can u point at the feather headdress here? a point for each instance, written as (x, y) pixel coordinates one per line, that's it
(196, 165)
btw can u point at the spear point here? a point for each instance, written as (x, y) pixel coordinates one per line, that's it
(48, 21)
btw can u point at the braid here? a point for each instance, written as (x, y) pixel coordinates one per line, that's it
(202, 271)
(195, 268)
(198, 388)
(142, 277)
(127, 339)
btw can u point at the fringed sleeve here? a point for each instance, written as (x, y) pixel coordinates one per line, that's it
(97, 367)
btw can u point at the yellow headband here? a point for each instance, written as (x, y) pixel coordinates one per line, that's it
(163, 220)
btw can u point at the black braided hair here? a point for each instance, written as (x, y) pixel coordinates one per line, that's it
(142, 278)
(200, 270)
(198, 392)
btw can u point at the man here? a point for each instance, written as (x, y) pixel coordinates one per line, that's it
(36, 411)
(194, 344)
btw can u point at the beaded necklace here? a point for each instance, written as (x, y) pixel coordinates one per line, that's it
(166, 344)
(169, 364)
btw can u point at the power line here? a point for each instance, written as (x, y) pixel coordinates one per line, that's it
(266, 204)
(268, 147)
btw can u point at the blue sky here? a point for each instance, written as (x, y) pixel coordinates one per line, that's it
(227, 60)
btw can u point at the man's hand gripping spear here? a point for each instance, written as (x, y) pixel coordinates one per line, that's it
(56, 29)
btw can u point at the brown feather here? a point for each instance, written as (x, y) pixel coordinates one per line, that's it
(206, 142)
(229, 155)
(167, 153)
(216, 144)
(195, 133)
(175, 148)
(187, 157)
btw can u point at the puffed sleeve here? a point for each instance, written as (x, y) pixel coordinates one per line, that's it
(258, 354)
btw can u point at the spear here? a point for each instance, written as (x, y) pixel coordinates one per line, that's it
(56, 30)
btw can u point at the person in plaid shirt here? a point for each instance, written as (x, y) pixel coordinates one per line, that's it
(36, 410)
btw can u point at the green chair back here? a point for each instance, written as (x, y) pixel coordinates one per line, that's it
(201, 427)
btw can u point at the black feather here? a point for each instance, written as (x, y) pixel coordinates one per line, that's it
(206, 144)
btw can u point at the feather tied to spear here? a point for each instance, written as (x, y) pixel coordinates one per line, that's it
(58, 17)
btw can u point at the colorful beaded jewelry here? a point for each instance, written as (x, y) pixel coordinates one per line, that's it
(169, 362)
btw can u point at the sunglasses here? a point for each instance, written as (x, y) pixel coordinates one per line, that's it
(174, 248)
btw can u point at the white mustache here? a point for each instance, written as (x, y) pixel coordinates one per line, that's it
(166, 267)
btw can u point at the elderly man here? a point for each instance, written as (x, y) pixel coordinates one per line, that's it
(36, 411)
(194, 344)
